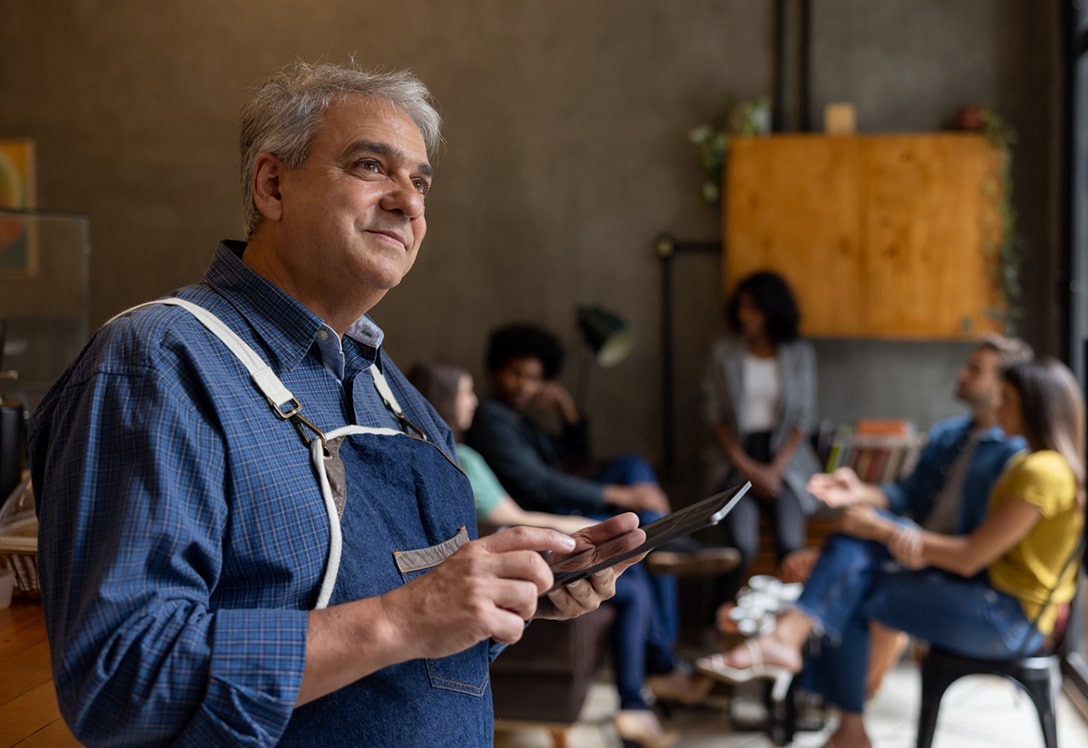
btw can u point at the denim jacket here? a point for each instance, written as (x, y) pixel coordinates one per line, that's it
(915, 494)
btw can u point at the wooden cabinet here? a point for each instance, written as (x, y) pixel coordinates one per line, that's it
(880, 236)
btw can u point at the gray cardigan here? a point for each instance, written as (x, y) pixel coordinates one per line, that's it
(723, 384)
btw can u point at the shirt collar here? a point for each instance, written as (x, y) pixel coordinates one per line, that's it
(288, 327)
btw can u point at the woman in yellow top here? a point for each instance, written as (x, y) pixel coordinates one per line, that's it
(983, 594)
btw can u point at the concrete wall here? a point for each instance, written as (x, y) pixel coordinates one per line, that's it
(567, 153)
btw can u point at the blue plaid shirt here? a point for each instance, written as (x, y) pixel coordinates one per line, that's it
(183, 534)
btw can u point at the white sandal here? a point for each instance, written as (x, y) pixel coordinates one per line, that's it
(714, 666)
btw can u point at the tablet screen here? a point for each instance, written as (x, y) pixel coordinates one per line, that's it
(705, 513)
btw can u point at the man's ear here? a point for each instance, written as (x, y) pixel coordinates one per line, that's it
(266, 186)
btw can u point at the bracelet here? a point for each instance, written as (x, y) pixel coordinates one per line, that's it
(906, 545)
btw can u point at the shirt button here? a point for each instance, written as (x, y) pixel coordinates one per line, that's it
(322, 335)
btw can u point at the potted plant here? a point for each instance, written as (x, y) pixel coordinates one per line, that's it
(749, 117)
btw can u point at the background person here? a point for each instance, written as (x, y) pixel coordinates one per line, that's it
(641, 652)
(948, 489)
(450, 390)
(545, 469)
(759, 401)
(938, 592)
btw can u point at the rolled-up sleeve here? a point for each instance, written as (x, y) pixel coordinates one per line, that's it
(130, 481)
(906, 496)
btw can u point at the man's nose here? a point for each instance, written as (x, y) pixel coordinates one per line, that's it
(403, 197)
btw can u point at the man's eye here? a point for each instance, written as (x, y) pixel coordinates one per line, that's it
(368, 165)
(422, 185)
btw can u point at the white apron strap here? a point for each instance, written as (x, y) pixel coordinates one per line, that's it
(287, 407)
(281, 399)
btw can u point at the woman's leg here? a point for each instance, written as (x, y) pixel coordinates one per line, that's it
(850, 733)
(839, 584)
(964, 615)
(886, 646)
(789, 523)
(742, 529)
(742, 524)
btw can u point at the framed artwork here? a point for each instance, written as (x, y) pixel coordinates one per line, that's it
(18, 235)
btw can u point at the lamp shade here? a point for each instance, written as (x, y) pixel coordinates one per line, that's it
(606, 334)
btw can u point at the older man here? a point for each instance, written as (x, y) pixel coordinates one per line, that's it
(253, 530)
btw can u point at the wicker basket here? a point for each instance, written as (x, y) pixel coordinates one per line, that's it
(19, 540)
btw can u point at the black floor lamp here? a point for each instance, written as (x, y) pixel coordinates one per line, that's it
(608, 339)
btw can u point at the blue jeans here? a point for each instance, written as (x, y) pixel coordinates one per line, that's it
(647, 619)
(855, 581)
(641, 645)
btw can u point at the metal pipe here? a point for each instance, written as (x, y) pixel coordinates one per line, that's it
(778, 86)
(804, 67)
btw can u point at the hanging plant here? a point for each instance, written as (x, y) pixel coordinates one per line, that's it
(750, 117)
(1003, 243)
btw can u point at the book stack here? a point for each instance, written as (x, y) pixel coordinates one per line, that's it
(878, 450)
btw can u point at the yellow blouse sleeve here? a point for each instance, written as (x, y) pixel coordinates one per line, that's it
(1042, 479)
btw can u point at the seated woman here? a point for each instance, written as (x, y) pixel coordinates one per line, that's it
(938, 592)
(641, 655)
(449, 390)
(759, 401)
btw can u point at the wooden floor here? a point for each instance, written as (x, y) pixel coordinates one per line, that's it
(28, 705)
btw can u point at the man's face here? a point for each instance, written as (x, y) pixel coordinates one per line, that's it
(353, 212)
(518, 382)
(977, 382)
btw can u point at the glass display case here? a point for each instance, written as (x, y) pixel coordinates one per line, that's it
(44, 298)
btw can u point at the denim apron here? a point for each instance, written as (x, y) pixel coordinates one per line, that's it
(398, 505)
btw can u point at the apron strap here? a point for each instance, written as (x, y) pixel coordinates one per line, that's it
(391, 403)
(279, 397)
(288, 407)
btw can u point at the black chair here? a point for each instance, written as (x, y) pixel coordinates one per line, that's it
(1038, 674)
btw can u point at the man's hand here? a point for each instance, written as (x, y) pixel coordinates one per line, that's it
(863, 521)
(554, 396)
(638, 497)
(837, 489)
(487, 589)
(587, 594)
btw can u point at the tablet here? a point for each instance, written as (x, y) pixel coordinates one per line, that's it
(699, 515)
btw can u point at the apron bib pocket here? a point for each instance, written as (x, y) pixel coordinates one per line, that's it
(465, 672)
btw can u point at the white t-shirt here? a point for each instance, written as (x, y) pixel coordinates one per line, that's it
(759, 401)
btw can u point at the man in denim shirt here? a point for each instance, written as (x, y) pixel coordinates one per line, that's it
(949, 486)
(211, 578)
(947, 491)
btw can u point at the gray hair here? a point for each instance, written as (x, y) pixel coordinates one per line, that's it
(283, 115)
